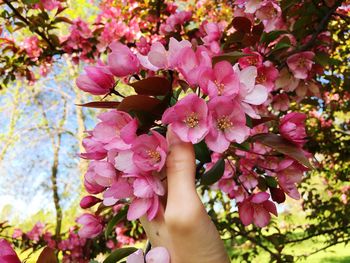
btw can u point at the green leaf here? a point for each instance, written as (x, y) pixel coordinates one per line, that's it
(202, 152)
(245, 146)
(30, 2)
(119, 254)
(271, 36)
(271, 181)
(230, 57)
(214, 174)
(154, 86)
(115, 220)
(282, 145)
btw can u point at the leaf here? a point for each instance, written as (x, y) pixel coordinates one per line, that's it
(119, 254)
(256, 122)
(271, 36)
(242, 24)
(271, 181)
(139, 103)
(202, 152)
(115, 220)
(155, 86)
(101, 104)
(281, 45)
(283, 146)
(231, 57)
(64, 19)
(214, 174)
(30, 2)
(47, 256)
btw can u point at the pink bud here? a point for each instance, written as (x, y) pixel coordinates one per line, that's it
(89, 201)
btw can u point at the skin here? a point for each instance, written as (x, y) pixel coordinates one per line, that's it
(182, 224)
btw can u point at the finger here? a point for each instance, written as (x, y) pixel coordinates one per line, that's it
(180, 169)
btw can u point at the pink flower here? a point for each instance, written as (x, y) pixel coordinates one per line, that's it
(160, 58)
(150, 152)
(188, 118)
(257, 209)
(195, 62)
(281, 102)
(301, 63)
(286, 81)
(97, 80)
(17, 233)
(94, 149)
(270, 14)
(226, 124)
(120, 189)
(102, 173)
(36, 232)
(49, 4)
(213, 32)
(122, 61)
(292, 127)
(116, 130)
(254, 59)
(31, 46)
(147, 189)
(158, 255)
(220, 81)
(7, 254)
(89, 201)
(155, 255)
(267, 75)
(289, 174)
(92, 225)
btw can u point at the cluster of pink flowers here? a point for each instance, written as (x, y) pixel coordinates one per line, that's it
(174, 22)
(126, 165)
(31, 46)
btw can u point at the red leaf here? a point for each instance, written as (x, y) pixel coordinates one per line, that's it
(101, 104)
(242, 24)
(155, 86)
(256, 122)
(140, 103)
(47, 256)
(282, 145)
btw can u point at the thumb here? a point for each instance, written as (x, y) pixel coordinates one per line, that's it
(180, 170)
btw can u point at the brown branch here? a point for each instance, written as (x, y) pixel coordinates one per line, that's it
(25, 20)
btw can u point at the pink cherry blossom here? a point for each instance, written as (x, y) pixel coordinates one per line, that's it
(92, 225)
(149, 152)
(120, 189)
(102, 173)
(175, 20)
(213, 32)
(160, 58)
(195, 62)
(220, 81)
(141, 206)
(286, 81)
(253, 59)
(269, 13)
(256, 209)
(94, 149)
(122, 61)
(98, 80)
(226, 124)
(301, 63)
(158, 255)
(31, 46)
(7, 253)
(290, 173)
(49, 4)
(267, 75)
(35, 233)
(281, 102)
(292, 127)
(188, 118)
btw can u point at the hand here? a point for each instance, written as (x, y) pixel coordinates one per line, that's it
(182, 224)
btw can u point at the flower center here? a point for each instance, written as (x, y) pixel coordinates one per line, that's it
(154, 155)
(223, 123)
(261, 78)
(192, 120)
(302, 62)
(220, 87)
(252, 60)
